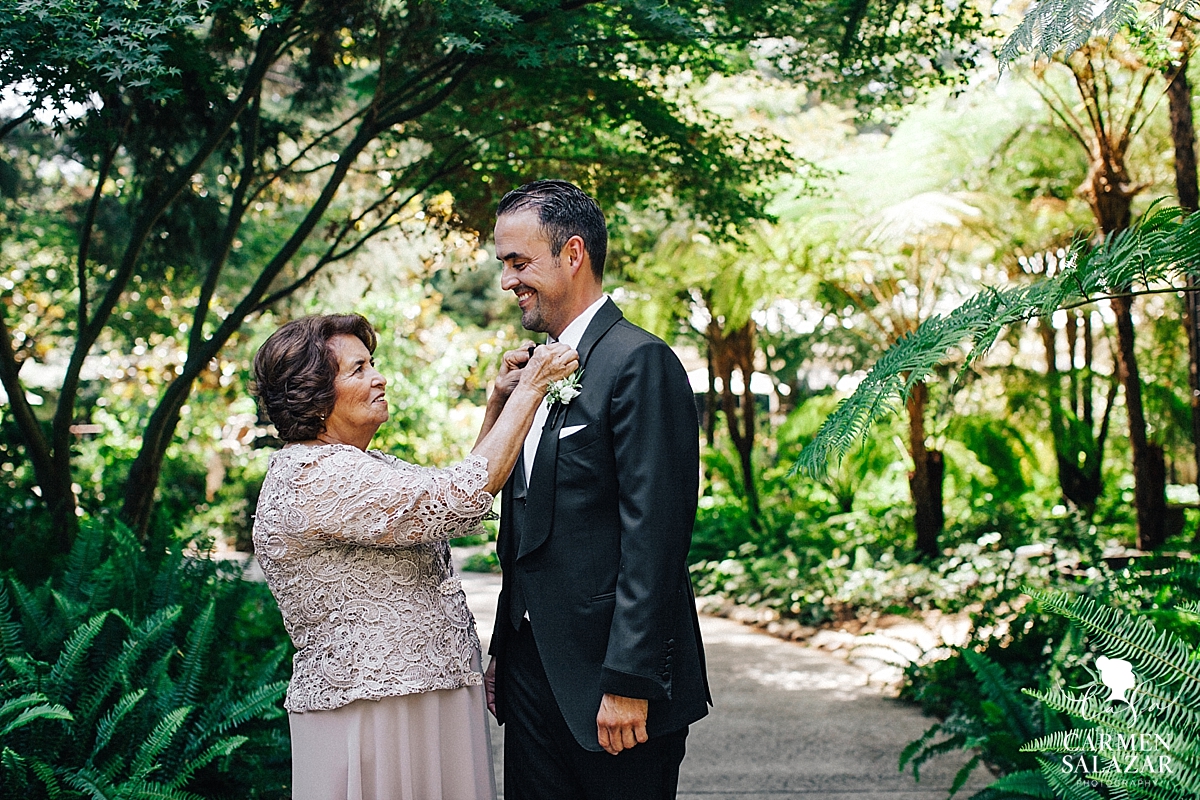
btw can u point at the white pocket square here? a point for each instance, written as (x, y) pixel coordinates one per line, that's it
(570, 429)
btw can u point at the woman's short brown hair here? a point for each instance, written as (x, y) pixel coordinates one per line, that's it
(295, 368)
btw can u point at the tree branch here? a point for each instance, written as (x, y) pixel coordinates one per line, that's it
(14, 123)
(237, 210)
(27, 423)
(265, 54)
(85, 234)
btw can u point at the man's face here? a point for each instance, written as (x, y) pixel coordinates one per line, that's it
(532, 272)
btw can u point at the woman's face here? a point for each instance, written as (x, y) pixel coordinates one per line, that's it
(359, 406)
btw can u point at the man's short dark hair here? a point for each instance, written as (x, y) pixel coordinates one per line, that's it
(564, 210)
(295, 368)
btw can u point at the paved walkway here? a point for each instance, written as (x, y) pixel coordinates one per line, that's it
(789, 721)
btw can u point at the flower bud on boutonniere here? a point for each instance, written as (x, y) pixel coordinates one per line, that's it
(564, 390)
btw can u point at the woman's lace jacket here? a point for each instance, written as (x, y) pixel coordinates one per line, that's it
(354, 547)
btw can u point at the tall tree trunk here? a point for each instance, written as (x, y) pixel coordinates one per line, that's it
(1149, 471)
(1110, 192)
(710, 415)
(1183, 136)
(1078, 449)
(146, 468)
(734, 351)
(925, 480)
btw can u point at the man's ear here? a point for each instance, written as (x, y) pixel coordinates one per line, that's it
(576, 254)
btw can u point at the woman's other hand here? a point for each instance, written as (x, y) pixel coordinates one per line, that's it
(549, 363)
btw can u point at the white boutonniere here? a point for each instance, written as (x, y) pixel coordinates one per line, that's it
(564, 390)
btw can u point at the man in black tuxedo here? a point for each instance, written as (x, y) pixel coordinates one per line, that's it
(597, 666)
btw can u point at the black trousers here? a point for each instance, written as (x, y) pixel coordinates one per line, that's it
(542, 760)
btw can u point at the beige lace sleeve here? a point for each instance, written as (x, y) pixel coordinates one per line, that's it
(375, 499)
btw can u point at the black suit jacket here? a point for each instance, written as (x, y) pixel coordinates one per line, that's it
(606, 527)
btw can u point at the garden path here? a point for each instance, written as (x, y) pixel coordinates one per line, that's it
(789, 721)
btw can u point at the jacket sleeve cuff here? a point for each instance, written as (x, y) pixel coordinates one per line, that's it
(622, 683)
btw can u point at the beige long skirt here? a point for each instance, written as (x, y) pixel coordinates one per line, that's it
(427, 746)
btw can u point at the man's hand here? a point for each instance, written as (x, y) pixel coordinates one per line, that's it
(621, 723)
(489, 685)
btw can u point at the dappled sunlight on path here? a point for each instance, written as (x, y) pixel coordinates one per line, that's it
(789, 721)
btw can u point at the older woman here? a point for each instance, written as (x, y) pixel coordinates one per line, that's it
(385, 700)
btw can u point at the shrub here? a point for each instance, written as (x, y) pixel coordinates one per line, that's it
(141, 672)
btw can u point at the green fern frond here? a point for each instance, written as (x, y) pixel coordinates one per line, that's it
(49, 778)
(964, 774)
(269, 666)
(914, 747)
(16, 705)
(1066, 784)
(1026, 783)
(29, 709)
(1161, 656)
(25, 669)
(1000, 690)
(158, 741)
(93, 784)
(10, 630)
(145, 790)
(152, 629)
(256, 703)
(1087, 708)
(86, 554)
(195, 763)
(198, 641)
(1135, 786)
(64, 675)
(929, 751)
(69, 609)
(108, 723)
(38, 625)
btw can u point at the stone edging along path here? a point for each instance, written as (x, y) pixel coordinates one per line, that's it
(881, 645)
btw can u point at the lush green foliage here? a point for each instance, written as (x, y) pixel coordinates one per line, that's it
(1158, 254)
(133, 674)
(1140, 613)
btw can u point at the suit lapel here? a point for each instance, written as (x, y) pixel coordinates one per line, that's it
(539, 506)
(605, 318)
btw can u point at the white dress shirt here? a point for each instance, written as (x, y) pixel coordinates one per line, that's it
(570, 336)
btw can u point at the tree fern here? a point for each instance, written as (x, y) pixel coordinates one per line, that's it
(1053, 26)
(1157, 255)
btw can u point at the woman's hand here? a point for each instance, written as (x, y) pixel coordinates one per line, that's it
(508, 418)
(549, 363)
(510, 370)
